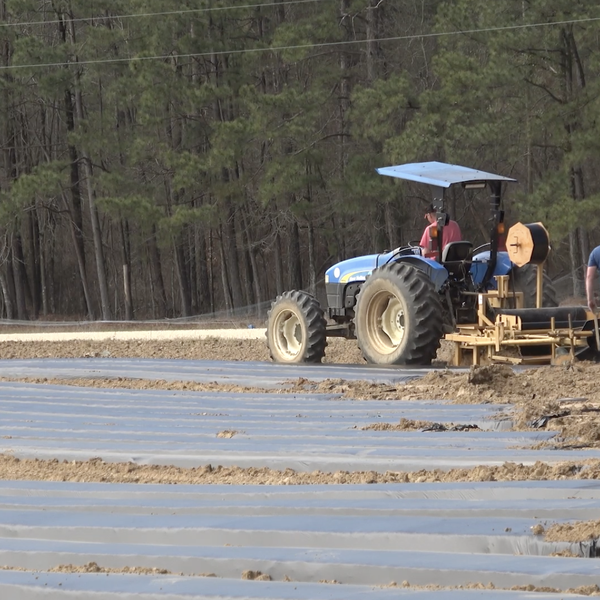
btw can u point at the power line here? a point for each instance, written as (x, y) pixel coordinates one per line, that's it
(302, 46)
(165, 13)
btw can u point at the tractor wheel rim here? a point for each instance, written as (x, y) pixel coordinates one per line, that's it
(389, 327)
(288, 334)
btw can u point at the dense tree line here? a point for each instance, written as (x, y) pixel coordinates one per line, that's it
(164, 159)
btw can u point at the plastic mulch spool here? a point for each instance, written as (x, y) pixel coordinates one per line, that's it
(529, 244)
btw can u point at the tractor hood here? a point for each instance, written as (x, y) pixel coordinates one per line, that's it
(359, 268)
(355, 269)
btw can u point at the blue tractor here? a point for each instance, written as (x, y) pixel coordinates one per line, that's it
(399, 304)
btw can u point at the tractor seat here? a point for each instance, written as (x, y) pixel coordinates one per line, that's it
(457, 257)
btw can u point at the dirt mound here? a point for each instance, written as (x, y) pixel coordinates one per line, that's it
(97, 470)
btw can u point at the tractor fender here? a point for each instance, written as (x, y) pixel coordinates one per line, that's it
(480, 263)
(436, 272)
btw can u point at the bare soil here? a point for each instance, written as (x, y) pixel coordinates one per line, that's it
(338, 350)
(564, 399)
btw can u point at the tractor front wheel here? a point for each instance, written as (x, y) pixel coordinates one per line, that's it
(398, 317)
(296, 329)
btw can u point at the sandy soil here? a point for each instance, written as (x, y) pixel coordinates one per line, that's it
(565, 399)
(338, 350)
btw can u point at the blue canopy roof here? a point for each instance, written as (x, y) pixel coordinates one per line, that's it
(439, 174)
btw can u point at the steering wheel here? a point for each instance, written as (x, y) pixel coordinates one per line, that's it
(482, 248)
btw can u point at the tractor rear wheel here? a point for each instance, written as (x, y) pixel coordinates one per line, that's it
(524, 279)
(398, 317)
(296, 328)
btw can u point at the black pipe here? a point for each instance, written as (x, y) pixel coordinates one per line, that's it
(496, 189)
(541, 318)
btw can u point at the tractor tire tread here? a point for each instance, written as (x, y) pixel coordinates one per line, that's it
(315, 323)
(421, 347)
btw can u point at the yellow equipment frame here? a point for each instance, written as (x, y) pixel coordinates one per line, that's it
(486, 338)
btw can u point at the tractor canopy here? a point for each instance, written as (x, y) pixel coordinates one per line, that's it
(441, 175)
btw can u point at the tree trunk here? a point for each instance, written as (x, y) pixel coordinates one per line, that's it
(211, 271)
(344, 100)
(182, 278)
(247, 277)
(253, 266)
(44, 274)
(371, 34)
(279, 285)
(75, 205)
(95, 224)
(584, 246)
(34, 256)
(294, 262)
(202, 279)
(18, 269)
(8, 304)
(574, 80)
(126, 244)
(160, 294)
(574, 254)
(97, 237)
(9, 159)
(231, 255)
(390, 226)
(78, 246)
(312, 274)
(224, 276)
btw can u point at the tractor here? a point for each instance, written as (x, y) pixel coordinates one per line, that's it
(399, 304)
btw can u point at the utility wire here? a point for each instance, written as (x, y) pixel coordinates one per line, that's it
(165, 13)
(302, 46)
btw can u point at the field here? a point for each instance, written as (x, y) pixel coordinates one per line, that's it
(529, 428)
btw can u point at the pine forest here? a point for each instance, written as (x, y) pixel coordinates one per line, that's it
(164, 159)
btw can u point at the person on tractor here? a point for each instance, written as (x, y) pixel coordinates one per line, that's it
(592, 269)
(451, 233)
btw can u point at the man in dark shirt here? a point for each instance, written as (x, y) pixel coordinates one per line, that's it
(592, 269)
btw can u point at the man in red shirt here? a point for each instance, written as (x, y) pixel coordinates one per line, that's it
(451, 233)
